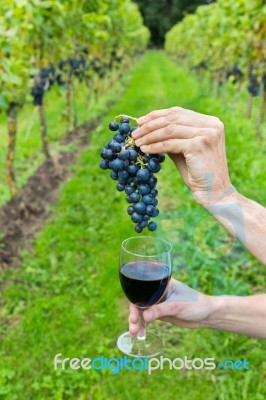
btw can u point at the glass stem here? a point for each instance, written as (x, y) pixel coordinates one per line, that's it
(142, 327)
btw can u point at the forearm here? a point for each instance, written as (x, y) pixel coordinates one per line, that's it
(245, 219)
(243, 315)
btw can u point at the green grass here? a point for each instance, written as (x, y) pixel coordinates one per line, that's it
(66, 298)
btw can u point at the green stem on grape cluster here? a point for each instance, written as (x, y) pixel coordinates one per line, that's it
(125, 116)
(130, 141)
(140, 162)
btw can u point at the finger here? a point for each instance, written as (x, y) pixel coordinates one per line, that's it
(133, 329)
(172, 146)
(181, 116)
(170, 120)
(152, 115)
(158, 311)
(171, 131)
(150, 126)
(181, 164)
(133, 314)
(179, 322)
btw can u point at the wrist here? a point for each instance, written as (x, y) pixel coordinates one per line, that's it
(217, 311)
(225, 194)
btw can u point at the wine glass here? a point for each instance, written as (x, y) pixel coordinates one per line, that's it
(145, 267)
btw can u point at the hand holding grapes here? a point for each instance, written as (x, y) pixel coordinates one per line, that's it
(196, 144)
(194, 141)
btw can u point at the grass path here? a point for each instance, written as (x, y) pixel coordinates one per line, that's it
(66, 297)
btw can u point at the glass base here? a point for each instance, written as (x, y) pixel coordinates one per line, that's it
(131, 346)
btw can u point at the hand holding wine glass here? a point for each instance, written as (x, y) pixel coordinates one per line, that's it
(182, 306)
(187, 308)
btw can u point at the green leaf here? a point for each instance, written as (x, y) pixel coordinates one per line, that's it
(3, 102)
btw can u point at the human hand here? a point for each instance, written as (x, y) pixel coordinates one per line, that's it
(196, 144)
(183, 307)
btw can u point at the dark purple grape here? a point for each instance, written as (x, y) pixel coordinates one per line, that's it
(147, 199)
(136, 217)
(128, 199)
(104, 164)
(113, 126)
(123, 174)
(152, 226)
(124, 128)
(144, 189)
(117, 165)
(155, 213)
(143, 174)
(115, 146)
(120, 187)
(114, 175)
(125, 120)
(123, 155)
(119, 138)
(129, 189)
(150, 210)
(133, 155)
(133, 169)
(140, 207)
(108, 154)
(130, 210)
(143, 224)
(153, 165)
(134, 197)
(122, 181)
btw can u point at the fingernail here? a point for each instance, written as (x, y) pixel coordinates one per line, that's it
(138, 142)
(144, 149)
(135, 133)
(140, 120)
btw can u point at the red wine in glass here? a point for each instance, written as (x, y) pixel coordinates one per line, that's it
(144, 282)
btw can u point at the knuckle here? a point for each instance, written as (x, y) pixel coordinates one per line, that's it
(210, 134)
(207, 135)
(176, 109)
(219, 125)
(174, 113)
(165, 146)
(147, 127)
(150, 149)
(157, 311)
(217, 133)
(169, 129)
(199, 142)
(153, 114)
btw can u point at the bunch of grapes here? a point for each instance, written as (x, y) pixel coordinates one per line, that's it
(134, 172)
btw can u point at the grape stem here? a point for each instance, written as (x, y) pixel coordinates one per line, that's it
(130, 141)
(125, 116)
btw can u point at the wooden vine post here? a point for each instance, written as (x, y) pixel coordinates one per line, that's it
(11, 147)
(44, 137)
(68, 101)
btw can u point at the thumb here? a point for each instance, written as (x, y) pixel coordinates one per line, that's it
(155, 312)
